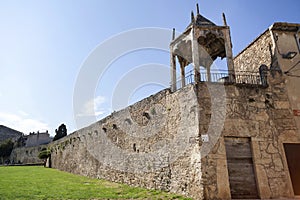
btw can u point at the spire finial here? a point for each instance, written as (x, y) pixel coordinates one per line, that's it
(192, 17)
(198, 12)
(224, 19)
(173, 35)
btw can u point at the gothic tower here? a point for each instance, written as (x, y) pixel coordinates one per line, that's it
(201, 43)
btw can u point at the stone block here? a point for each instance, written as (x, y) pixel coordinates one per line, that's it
(223, 187)
(242, 128)
(271, 149)
(288, 136)
(277, 160)
(285, 124)
(282, 114)
(263, 185)
(282, 104)
(261, 116)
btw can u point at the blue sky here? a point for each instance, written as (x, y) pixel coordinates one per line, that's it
(45, 43)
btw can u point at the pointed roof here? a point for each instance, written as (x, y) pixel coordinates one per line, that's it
(202, 21)
(199, 20)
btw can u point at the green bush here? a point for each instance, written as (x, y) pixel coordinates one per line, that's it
(44, 154)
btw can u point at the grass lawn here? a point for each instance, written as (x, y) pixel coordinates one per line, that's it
(35, 182)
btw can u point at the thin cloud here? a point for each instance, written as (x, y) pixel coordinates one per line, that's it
(22, 123)
(23, 113)
(93, 107)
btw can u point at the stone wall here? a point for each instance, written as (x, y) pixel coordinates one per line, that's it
(175, 141)
(35, 139)
(156, 143)
(264, 115)
(153, 144)
(26, 155)
(254, 55)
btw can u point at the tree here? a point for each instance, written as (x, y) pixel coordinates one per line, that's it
(60, 132)
(6, 149)
(44, 155)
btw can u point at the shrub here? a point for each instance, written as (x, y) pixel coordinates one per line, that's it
(44, 154)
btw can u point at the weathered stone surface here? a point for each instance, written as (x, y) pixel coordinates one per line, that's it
(26, 155)
(268, 123)
(282, 104)
(151, 144)
(256, 54)
(263, 182)
(271, 149)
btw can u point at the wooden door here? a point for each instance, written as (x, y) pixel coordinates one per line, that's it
(292, 152)
(240, 168)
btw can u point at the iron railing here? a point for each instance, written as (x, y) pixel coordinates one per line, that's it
(227, 77)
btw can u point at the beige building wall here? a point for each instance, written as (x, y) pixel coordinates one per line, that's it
(286, 42)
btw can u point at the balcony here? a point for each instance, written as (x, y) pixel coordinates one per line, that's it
(250, 79)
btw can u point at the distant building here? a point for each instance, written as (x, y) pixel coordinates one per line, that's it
(38, 138)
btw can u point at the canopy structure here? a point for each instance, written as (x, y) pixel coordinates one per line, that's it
(201, 43)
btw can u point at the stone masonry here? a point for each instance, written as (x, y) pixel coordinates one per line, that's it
(153, 144)
(26, 155)
(255, 55)
(265, 116)
(262, 114)
(177, 140)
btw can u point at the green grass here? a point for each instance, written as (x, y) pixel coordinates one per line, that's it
(43, 183)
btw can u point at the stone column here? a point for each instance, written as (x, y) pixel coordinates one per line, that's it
(229, 57)
(173, 72)
(182, 74)
(195, 56)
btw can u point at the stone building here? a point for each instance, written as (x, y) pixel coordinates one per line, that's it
(36, 139)
(27, 152)
(276, 160)
(212, 134)
(255, 155)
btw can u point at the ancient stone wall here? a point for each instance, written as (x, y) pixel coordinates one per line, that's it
(256, 54)
(153, 144)
(26, 155)
(264, 115)
(175, 141)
